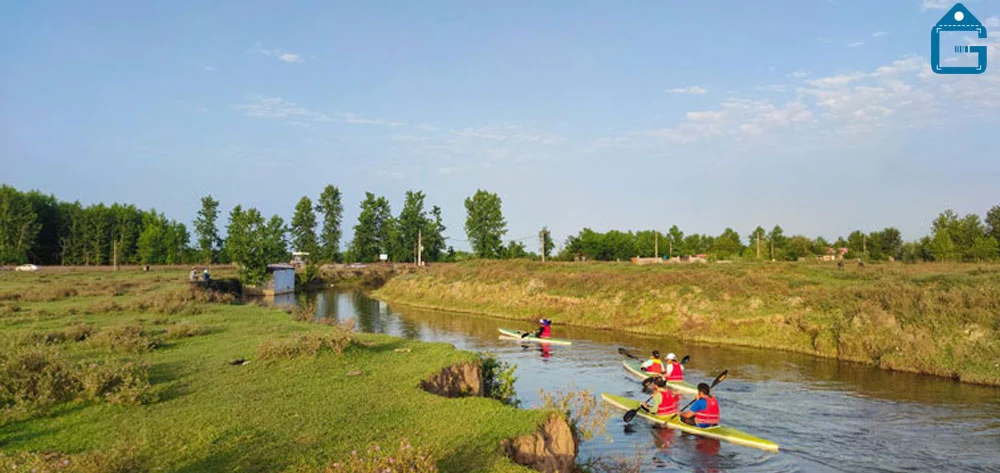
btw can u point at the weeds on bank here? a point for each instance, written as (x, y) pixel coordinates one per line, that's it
(185, 329)
(121, 459)
(306, 344)
(404, 459)
(616, 463)
(587, 415)
(74, 333)
(36, 377)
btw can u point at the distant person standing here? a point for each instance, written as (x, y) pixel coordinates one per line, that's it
(194, 274)
(204, 275)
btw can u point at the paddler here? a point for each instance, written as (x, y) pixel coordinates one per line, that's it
(544, 329)
(673, 370)
(664, 401)
(705, 409)
(653, 364)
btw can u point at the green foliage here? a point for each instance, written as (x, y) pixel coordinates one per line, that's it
(727, 245)
(303, 228)
(330, 206)
(412, 221)
(19, 226)
(992, 221)
(484, 224)
(499, 380)
(514, 250)
(548, 246)
(375, 231)
(306, 344)
(205, 228)
(434, 236)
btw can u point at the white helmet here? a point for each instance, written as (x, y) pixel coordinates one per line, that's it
(671, 356)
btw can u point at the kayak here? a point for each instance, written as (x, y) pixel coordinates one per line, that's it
(720, 432)
(632, 366)
(508, 334)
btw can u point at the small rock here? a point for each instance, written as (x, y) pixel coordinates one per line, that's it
(403, 350)
(354, 373)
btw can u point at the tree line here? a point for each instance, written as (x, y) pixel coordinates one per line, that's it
(41, 229)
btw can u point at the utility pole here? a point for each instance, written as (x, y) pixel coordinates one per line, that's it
(116, 254)
(656, 246)
(758, 244)
(420, 248)
(864, 246)
(772, 249)
(670, 251)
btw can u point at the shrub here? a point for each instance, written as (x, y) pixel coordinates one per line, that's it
(587, 415)
(499, 379)
(126, 383)
(306, 344)
(185, 329)
(125, 339)
(104, 307)
(75, 333)
(304, 312)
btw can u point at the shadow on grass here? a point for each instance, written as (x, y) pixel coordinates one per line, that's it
(26, 430)
(241, 450)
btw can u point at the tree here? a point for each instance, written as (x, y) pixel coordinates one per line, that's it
(304, 227)
(984, 248)
(45, 249)
(330, 206)
(413, 221)
(434, 236)
(675, 242)
(799, 246)
(514, 250)
(545, 236)
(484, 224)
(857, 243)
(152, 240)
(373, 235)
(244, 243)
(993, 222)
(19, 226)
(205, 228)
(776, 240)
(759, 236)
(728, 244)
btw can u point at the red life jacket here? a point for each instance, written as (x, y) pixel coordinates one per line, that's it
(668, 403)
(546, 332)
(656, 367)
(677, 374)
(710, 414)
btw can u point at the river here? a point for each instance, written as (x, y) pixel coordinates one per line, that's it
(825, 415)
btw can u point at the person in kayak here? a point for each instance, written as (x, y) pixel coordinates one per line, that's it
(653, 364)
(664, 401)
(673, 370)
(704, 411)
(545, 329)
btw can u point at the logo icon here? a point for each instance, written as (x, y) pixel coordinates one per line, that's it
(958, 18)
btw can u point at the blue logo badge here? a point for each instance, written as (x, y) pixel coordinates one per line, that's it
(958, 18)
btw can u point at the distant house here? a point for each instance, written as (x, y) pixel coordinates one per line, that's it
(280, 279)
(300, 258)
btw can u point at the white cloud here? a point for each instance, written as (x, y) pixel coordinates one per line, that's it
(798, 75)
(276, 107)
(693, 90)
(711, 116)
(356, 119)
(936, 4)
(992, 22)
(836, 81)
(879, 34)
(856, 44)
(281, 55)
(208, 68)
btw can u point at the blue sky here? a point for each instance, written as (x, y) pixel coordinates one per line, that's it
(822, 116)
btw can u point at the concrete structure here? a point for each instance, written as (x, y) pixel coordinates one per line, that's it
(300, 258)
(280, 280)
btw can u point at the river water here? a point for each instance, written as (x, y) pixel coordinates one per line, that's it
(825, 415)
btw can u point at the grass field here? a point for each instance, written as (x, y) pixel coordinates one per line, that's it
(130, 371)
(940, 319)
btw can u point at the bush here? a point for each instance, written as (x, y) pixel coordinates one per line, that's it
(74, 333)
(499, 379)
(125, 339)
(104, 307)
(185, 329)
(117, 383)
(587, 415)
(304, 312)
(306, 344)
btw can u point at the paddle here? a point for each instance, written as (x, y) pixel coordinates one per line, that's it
(630, 414)
(622, 351)
(525, 334)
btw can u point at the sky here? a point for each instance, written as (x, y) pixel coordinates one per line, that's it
(822, 116)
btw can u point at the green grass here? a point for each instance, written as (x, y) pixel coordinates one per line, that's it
(263, 416)
(940, 319)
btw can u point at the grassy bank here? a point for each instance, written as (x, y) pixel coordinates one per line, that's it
(934, 318)
(131, 371)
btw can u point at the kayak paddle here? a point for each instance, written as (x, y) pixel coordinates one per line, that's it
(718, 379)
(622, 351)
(630, 414)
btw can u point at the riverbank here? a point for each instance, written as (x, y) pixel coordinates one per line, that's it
(131, 371)
(938, 319)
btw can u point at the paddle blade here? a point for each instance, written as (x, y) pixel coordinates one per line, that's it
(719, 378)
(686, 359)
(629, 415)
(622, 351)
(525, 334)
